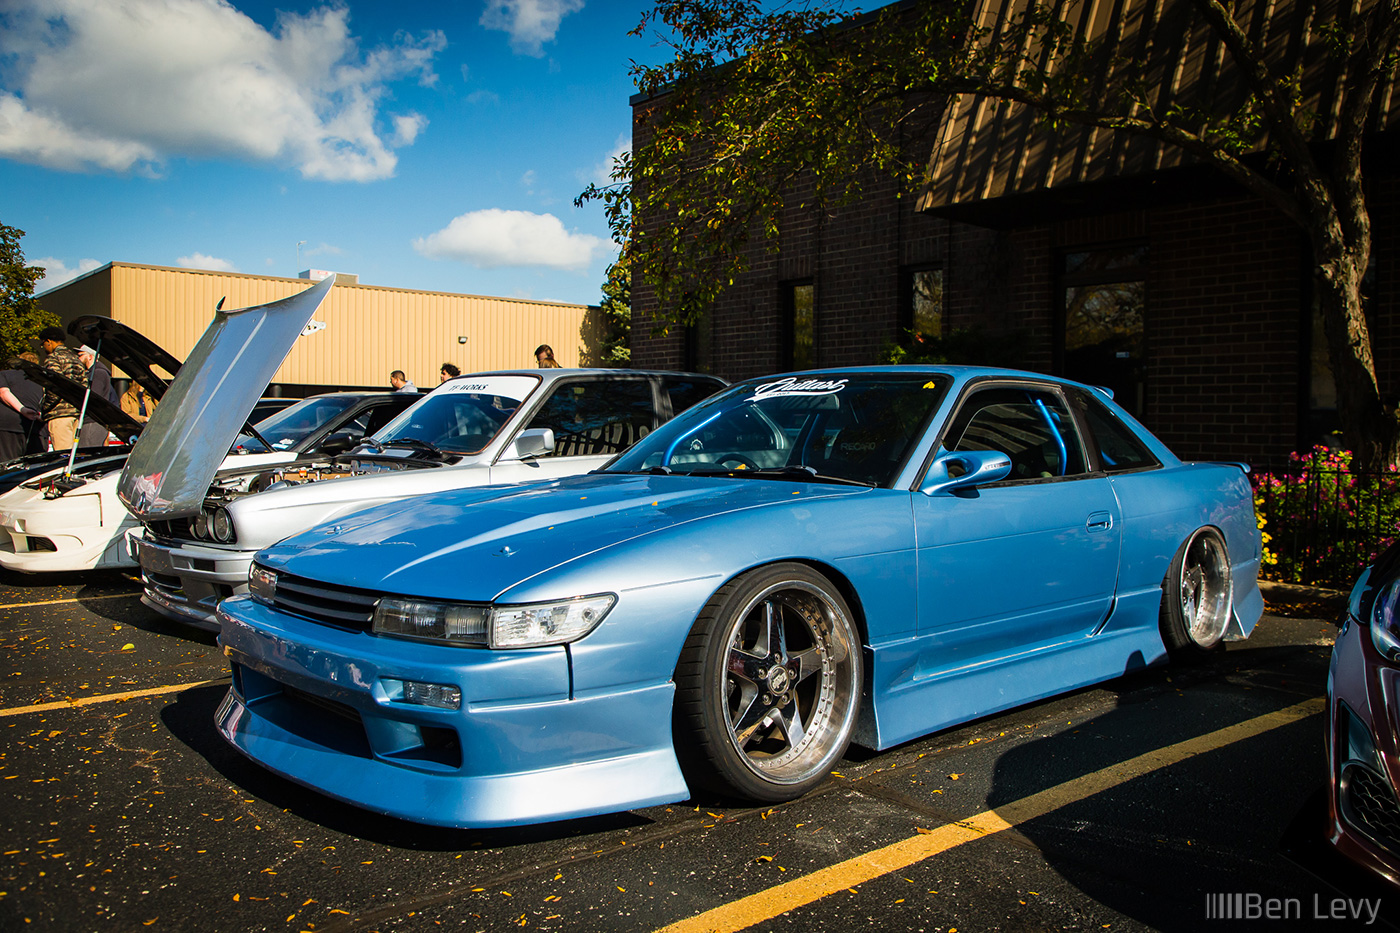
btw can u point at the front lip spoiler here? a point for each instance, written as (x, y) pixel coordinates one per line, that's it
(514, 726)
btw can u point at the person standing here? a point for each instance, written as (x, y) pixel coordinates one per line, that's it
(60, 417)
(138, 403)
(92, 433)
(448, 372)
(544, 357)
(19, 413)
(400, 382)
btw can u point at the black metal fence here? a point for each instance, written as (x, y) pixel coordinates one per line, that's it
(1323, 521)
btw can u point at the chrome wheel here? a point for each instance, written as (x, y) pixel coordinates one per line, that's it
(771, 681)
(1197, 594)
(786, 683)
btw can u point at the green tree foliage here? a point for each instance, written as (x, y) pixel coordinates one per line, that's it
(21, 319)
(963, 346)
(757, 108)
(617, 314)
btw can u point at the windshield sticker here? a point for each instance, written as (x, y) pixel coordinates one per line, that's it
(794, 386)
(517, 387)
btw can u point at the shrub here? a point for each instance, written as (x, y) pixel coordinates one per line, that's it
(1322, 521)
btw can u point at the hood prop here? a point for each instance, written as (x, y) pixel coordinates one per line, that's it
(82, 413)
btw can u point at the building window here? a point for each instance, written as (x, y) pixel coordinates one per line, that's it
(799, 325)
(921, 304)
(699, 345)
(1103, 299)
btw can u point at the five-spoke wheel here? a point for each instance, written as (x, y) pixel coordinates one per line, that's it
(768, 684)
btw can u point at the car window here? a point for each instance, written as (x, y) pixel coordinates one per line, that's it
(462, 415)
(1119, 449)
(380, 415)
(1031, 426)
(290, 426)
(600, 416)
(685, 391)
(856, 428)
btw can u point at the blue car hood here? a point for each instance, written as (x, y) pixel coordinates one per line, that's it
(473, 544)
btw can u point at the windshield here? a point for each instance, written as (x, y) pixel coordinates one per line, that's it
(292, 425)
(462, 415)
(846, 428)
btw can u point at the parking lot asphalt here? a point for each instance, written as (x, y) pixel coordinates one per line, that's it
(1121, 807)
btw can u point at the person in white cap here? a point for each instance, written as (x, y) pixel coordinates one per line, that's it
(94, 434)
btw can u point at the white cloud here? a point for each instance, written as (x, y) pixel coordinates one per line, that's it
(207, 263)
(531, 23)
(601, 173)
(56, 271)
(121, 85)
(483, 97)
(492, 238)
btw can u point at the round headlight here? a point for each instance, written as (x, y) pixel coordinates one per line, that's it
(1385, 620)
(201, 525)
(222, 526)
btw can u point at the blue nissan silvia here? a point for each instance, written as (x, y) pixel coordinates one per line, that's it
(860, 555)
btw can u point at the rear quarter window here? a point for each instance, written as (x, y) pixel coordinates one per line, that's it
(1117, 446)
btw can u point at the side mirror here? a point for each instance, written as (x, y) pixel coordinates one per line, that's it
(531, 442)
(337, 444)
(967, 469)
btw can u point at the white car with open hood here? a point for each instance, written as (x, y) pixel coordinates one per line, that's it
(71, 519)
(500, 427)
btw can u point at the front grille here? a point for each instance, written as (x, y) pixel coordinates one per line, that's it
(176, 530)
(340, 606)
(1369, 804)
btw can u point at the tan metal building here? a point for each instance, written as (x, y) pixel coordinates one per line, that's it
(369, 330)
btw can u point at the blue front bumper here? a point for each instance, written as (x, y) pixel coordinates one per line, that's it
(316, 704)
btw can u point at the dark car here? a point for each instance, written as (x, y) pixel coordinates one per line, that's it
(1363, 738)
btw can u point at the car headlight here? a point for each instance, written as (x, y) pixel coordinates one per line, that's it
(454, 623)
(1385, 620)
(221, 525)
(262, 584)
(547, 623)
(526, 626)
(200, 525)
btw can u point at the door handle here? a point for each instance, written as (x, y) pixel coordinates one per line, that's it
(1099, 521)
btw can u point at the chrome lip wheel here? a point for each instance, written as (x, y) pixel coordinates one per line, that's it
(1205, 589)
(788, 687)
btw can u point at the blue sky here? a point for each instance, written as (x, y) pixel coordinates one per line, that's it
(430, 145)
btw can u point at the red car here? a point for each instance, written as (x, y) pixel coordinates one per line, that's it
(1363, 714)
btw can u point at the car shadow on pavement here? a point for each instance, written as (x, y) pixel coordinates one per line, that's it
(1159, 845)
(191, 720)
(104, 581)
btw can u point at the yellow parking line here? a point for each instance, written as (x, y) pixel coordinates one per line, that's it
(103, 698)
(54, 602)
(766, 905)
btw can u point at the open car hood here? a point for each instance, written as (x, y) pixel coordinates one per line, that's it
(173, 463)
(133, 353)
(99, 410)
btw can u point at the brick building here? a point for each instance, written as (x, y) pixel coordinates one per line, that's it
(1039, 238)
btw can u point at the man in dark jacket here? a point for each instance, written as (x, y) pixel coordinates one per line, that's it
(61, 417)
(93, 434)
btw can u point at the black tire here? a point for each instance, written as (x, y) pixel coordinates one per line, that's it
(766, 721)
(1197, 596)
